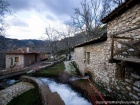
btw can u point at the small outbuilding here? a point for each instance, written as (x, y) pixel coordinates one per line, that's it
(20, 58)
(44, 55)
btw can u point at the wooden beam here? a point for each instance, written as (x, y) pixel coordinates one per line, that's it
(123, 37)
(126, 48)
(119, 51)
(134, 60)
(128, 30)
(129, 45)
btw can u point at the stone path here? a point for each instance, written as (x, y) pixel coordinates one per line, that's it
(9, 93)
(68, 66)
(32, 68)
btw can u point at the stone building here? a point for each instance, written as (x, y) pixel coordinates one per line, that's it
(20, 58)
(44, 55)
(114, 61)
(2, 60)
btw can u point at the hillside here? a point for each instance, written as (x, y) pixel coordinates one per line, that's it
(8, 43)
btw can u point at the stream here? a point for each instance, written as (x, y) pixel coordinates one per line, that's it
(69, 96)
(7, 82)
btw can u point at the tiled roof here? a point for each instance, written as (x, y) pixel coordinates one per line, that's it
(23, 51)
(94, 40)
(120, 10)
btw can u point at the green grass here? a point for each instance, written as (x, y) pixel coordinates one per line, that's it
(30, 97)
(52, 71)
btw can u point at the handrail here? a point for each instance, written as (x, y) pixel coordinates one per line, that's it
(96, 90)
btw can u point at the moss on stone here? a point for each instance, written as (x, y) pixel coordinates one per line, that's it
(30, 97)
(52, 71)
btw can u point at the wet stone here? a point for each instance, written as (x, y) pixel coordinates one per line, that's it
(13, 91)
(136, 89)
(137, 84)
(134, 96)
(128, 88)
(135, 76)
(128, 80)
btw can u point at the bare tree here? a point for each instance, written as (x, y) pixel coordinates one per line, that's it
(52, 39)
(4, 8)
(118, 2)
(66, 37)
(87, 17)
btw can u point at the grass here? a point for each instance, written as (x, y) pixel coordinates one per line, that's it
(77, 72)
(52, 71)
(30, 97)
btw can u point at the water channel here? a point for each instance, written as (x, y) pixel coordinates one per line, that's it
(69, 96)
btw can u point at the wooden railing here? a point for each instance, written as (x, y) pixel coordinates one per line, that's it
(129, 47)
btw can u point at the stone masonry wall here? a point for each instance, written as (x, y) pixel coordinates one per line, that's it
(17, 65)
(29, 59)
(127, 20)
(2, 60)
(80, 59)
(128, 88)
(103, 72)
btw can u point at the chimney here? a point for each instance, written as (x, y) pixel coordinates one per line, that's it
(28, 49)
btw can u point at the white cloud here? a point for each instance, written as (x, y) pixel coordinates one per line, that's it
(31, 18)
(36, 24)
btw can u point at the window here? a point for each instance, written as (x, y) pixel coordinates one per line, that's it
(88, 57)
(120, 72)
(16, 59)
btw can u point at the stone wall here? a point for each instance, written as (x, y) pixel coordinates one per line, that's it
(24, 60)
(127, 88)
(104, 73)
(80, 58)
(2, 60)
(16, 65)
(127, 20)
(9, 93)
(29, 59)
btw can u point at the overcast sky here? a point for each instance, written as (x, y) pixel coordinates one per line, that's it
(30, 17)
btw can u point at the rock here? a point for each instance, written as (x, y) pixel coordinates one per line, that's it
(64, 77)
(135, 76)
(137, 84)
(136, 20)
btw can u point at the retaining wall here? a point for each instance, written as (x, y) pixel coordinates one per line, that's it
(47, 97)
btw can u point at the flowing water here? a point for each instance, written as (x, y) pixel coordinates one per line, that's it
(7, 82)
(69, 96)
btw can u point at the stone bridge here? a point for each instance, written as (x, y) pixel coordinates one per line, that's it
(47, 97)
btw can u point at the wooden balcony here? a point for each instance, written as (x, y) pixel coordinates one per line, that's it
(133, 60)
(129, 47)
